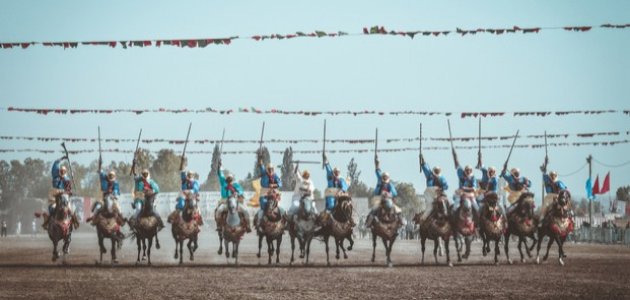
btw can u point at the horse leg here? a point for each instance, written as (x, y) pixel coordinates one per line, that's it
(506, 239)
(521, 240)
(269, 249)
(458, 248)
(538, 244)
(190, 249)
(101, 246)
(221, 243)
(326, 243)
(351, 242)
(149, 250)
(308, 247)
(422, 241)
(55, 252)
(157, 241)
(337, 242)
(343, 249)
(176, 255)
(278, 243)
(528, 250)
(436, 244)
(235, 253)
(138, 242)
(551, 240)
(467, 241)
(389, 252)
(227, 251)
(260, 238)
(181, 252)
(373, 246)
(292, 248)
(496, 251)
(448, 255)
(144, 249)
(560, 242)
(113, 251)
(302, 242)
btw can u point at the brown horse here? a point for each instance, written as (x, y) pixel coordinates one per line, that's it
(271, 226)
(436, 226)
(463, 224)
(302, 227)
(522, 223)
(338, 224)
(145, 229)
(492, 224)
(385, 225)
(108, 223)
(557, 225)
(60, 226)
(185, 226)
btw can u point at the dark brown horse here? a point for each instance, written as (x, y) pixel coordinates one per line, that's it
(492, 224)
(436, 226)
(302, 227)
(463, 224)
(338, 224)
(271, 226)
(385, 225)
(185, 226)
(108, 224)
(60, 226)
(522, 223)
(145, 229)
(557, 225)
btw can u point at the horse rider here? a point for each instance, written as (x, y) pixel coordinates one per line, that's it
(553, 186)
(190, 190)
(304, 188)
(144, 185)
(516, 185)
(384, 189)
(109, 186)
(229, 188)
(60, 184)
(467, 186)
(269, 180)
(436, 184)
(335, 185)
(489, 182)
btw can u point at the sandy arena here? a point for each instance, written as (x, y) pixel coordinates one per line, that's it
(592, 271)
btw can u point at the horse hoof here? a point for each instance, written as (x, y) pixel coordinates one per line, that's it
(114, 262)
(538, 260)
(221, 252)
(510, 262)
(522, 260)
(227, 254)
(345, 256)
(157, 246)
(496, 263)
(192, 258)
(258, 255)
(561, 262)
(328, 264)
(545, 258)
(349, 248)
(389, 264)
(301, 256)
(450, 264)
(181, 263)
(137, 263)
(337, 256)
(149, 264)
(103, 251)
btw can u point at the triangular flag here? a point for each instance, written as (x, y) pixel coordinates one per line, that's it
(606, 184)
(596, 186)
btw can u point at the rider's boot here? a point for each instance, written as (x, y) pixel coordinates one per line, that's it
(46, 220)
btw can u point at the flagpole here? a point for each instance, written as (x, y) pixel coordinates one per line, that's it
(589, 160)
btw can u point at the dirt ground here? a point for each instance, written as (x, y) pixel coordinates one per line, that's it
(26, 272)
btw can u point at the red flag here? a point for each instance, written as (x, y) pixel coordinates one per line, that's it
(606, 184)
(596, 186)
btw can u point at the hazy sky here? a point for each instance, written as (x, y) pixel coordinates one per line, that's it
(548, 71)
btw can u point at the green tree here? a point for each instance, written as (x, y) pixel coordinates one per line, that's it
(407, 199)
(165, 171)
(212, 181)
(287, 169)
(266, 159)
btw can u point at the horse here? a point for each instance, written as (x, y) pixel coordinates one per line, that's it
(108, 224)
(302, 227)
(338, 225)
(271, 226)
(385, 225)
(185, 226)
(463, 224)
(61, 225)
(436, 226)
(492, 224)
(523, 223)
(557, 225)
(233, 228)
(146, 228)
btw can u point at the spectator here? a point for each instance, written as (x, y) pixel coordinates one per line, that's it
(3, 232)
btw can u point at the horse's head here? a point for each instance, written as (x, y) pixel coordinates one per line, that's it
(108, 202)
(491, 200)
(344, 204)
(272, 200)
(525, 205)
(440, 205)
(417, 218)
(563, 203)
(232, 205)
(307, 205)
(387, 202)
(149, 198)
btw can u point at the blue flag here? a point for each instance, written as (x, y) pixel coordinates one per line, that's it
(589, 189)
